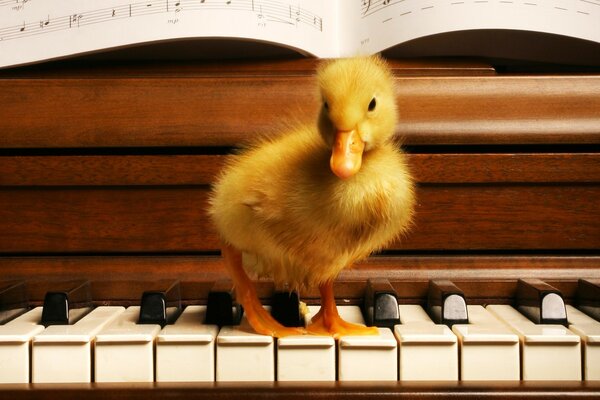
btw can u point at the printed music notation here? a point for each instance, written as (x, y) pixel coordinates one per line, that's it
(265, 10)
(370, 7)
(14, 4)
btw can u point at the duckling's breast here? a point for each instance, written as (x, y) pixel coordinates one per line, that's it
(301, 224)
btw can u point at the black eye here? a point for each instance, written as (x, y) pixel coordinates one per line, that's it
(372, 104)
(326, 106)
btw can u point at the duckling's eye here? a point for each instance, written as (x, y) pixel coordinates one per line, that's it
(372, 104)
(326, 106)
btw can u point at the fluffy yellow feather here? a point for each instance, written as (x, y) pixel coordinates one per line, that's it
(306, 204)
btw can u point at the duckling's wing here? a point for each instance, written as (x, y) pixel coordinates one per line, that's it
(262, 205)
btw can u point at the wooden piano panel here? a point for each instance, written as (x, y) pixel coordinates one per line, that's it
(230, 104)
(300, 391)
(104, 175)
(149, 203)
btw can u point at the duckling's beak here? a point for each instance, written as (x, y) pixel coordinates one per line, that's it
(346, 155)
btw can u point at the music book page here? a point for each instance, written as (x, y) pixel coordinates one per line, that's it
(32, 30)
(380, 24)
(38, 30)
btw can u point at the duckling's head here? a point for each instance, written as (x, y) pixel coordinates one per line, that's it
(358, 111)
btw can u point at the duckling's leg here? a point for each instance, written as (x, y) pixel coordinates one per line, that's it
(257, 316)
(328, 321)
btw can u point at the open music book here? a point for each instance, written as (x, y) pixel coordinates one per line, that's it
(38, 30)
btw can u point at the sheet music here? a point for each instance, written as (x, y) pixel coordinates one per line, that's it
(374, 25)
(32, 30)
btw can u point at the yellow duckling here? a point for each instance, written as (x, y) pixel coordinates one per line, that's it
(318, 198)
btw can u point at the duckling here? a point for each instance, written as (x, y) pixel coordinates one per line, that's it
(308, 203)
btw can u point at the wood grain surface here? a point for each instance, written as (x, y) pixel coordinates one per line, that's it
(316, 390)
(203, 107)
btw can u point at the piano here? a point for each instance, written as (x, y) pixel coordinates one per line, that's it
(104, 175)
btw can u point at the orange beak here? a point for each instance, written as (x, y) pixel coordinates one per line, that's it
(346, 155)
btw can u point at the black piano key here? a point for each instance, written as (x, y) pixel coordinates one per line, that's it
(161, 306)
(540, 302)
(13, 300)
(67, 304)
(222, 308)
(446, 303)
(588, 297)
(285, 308)
(380, 307)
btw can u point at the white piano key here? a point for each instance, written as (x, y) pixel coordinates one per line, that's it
(15, 346)
(578, 317)
(413, 313)
(548, 352)
(63, 353)
(185, 351)
(124, 350)
(427, 351)
(489, 350)
(306, 358)
(589, 330)
(244, 355)
(366, 358)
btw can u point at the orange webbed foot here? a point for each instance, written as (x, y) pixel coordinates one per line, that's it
(259, 319)
(324, 324)
(328, 321)
(262, 322)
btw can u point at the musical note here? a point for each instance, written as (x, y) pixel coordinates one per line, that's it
(45, 23)
(371, 7)
(366, 3)
(23, 28)
(75, 19)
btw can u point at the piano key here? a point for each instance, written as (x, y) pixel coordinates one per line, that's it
(13, 300)
(63, 353)
(161, 306)
(355, 353)
(446, 303)
(413, 313)
(588, 297)
(489, 350)
(244, 355)
(381, 304)
(286, 308)
(589, 330)
(15, 345)
(306, 357)
(540, 302)
(548, 352)
(185, 350)
(124, 350)
(427, 351)
(67, 303)
(222, 309)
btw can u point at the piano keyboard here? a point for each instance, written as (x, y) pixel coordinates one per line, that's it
(447, 340)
